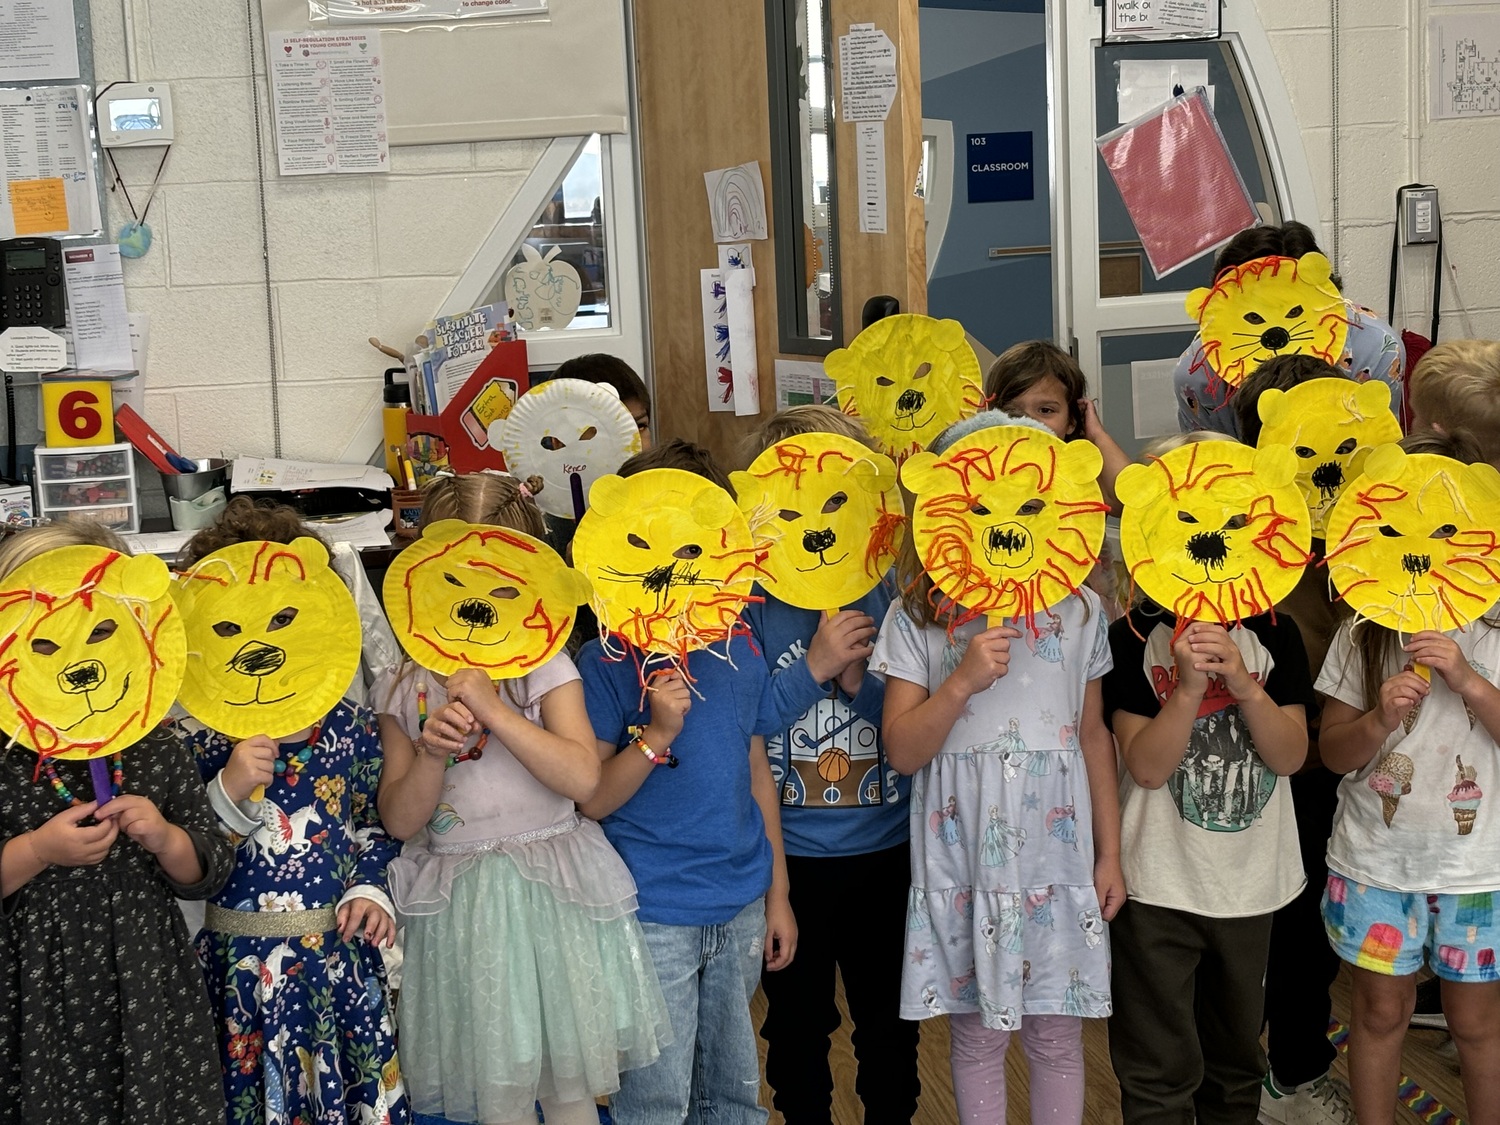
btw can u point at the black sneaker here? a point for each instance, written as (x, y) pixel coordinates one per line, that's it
(1429, 1009)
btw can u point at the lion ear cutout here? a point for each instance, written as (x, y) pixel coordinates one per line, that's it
(146, 577)
(1081, 461)
(1197, 300)
(1273, 406)
(920, 473)
(609, 496)
(575, 586)
(875, 473)
(1482, 481)
(712, 506)
(445, 531)
(311, 551)
(1275, 466)
(1138, 485)
(947, 334)
(1372, 397)
(1317, 270)
(1385, 463)
(747, 490)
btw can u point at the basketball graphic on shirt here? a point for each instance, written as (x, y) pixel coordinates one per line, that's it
(832, 759)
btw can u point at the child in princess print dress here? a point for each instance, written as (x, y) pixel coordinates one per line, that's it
(526, 975)
(1015, 832)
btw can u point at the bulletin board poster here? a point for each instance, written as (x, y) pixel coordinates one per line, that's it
(1145, 21)
(390, 11)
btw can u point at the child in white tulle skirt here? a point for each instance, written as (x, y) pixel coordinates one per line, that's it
(526, 976)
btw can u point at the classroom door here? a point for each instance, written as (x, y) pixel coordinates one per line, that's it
(1129, 326)
(988, 182)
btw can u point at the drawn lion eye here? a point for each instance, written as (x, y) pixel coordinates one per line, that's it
(979, 509)
(505, 592)
(1447, 531)
(884, 381)
(835, 502)
(1254, 318)
(1294, 312)
(788, 515)
(1234, 523)
(282, 619)
(552, 444)
(1389, 531)
(636, 541)
(1032, 507)
(1187, 517)
(688, 551)
(1346, 447)
(451, 579)
(1305, 452)
(227, 629)
(43, 647)
(101, 632)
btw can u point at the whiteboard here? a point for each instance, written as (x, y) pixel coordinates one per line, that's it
(495, 80)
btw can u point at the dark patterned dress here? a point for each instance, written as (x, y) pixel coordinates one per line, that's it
(103, 1016)
(305, 1024)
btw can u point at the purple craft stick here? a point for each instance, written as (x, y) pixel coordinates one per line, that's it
(576, 483)
(99, 774)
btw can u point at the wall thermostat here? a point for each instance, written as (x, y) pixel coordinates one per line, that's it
(135, 115)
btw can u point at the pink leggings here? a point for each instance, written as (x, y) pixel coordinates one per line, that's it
(1054, 1054)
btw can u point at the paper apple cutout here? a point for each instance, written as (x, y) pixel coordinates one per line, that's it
(543, 292)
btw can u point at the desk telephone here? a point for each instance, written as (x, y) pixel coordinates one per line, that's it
(31, 283)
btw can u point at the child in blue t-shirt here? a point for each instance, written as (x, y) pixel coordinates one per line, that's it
(847, 842)
(703, 841)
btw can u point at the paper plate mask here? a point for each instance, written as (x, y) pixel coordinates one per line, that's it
(909, 378)
(1009, 520)
(1414, 543)
(470, 596)
(1331, 425)
(91, 651)
(569, 433)
(273, 638)
(1215, 530)
(831, 512)
(1269, 307)
(670, 557)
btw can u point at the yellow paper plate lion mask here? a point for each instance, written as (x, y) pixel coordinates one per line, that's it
(273, 638)
(670, 558)
(1414, 543)
(908, 377)
(1269, 307)
(1215, 530)
(91, 651)
(831, 512)
(471, 596)
(1331, 425)
(1008, 520)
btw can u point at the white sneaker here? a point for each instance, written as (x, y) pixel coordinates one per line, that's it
(1323, 1101)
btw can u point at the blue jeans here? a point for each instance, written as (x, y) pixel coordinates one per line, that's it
(711, 1070)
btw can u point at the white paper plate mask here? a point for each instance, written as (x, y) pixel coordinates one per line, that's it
(569, 433)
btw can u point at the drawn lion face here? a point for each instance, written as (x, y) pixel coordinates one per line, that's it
(909, 378)
(1008, 520)
(1414, 542)
(1331, 425)
(831, 512)
(566, 428)
(1215, 530)
(1269, 307)
(470, 596)
(273, 637)
(91, 651)
(670, 558)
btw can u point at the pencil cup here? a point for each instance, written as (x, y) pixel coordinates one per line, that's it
(406, 508)
(196, 499)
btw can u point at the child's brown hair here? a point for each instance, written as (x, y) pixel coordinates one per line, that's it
(795, 421)
(244, 520)
(1022, 366)
(679, 454)
(1456, 385)
(487, 498)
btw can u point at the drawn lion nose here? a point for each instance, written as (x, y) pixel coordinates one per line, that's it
(256, 658)
(81, 676)
(816, 542)
(1416, 565)
(1008, 544)
(910, 401)
(1328, 478)
(475, 613)
(1208, 548)
(1275, 338)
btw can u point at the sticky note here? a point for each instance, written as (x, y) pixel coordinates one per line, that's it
(38, 206)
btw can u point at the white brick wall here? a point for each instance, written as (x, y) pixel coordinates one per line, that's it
(1386, 140)
(351, 256)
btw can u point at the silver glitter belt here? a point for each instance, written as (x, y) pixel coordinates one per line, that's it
(500, 843)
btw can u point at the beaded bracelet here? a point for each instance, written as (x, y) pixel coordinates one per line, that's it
(666, 758)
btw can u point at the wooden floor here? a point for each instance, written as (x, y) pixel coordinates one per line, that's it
(1424, 1064)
